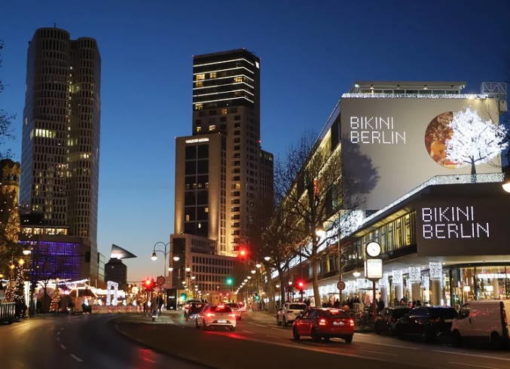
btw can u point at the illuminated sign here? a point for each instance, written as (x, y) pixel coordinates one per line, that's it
(392, 145)
(456, 225)
(373, 269)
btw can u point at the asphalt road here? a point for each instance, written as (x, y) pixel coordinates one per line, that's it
(94, 341)
(81, 341)
(260, 343)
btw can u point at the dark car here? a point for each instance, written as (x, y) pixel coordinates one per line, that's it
(193, 308)
(387, 319)
(327, 323)
(428, 322)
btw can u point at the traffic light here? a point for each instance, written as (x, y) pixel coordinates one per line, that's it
(229, 281)
(242, 253)
(300, 285)
(148, 284)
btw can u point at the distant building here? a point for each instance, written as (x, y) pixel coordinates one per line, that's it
(116, 271)
(221, 171)
(60, 147)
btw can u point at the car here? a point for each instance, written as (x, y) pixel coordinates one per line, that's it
(191, 307)
(324, 323)
(289, 312)
(427, 322)
(483, 321)
(386, 320)
(236, 308)
(216, 316)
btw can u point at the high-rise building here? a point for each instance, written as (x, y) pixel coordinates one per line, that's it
(60, 149)
(221, 170)
(221, 174)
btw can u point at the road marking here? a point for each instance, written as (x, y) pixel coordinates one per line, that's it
(472, 355)
(247, 331)
(380, 352)
(62, 347)
(76, 358)
(463, 365)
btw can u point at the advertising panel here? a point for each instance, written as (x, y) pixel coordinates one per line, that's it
(392, 145)
(458, 226)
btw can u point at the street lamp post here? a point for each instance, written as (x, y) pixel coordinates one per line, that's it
(165, 251)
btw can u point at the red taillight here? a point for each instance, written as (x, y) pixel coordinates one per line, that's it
(323, 322)
(351, 322)
(209, 315)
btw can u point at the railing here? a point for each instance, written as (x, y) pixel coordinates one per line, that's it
(7, 312)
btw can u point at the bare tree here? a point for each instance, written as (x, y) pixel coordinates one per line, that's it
(310, 191)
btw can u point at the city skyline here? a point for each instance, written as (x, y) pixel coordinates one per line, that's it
(139, 223)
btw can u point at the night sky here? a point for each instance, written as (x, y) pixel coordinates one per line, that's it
(310, 51)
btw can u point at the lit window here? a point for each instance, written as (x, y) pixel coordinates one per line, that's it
(212, 75)
(200, 77)
(199, 129)
(199, 106)
(199, 84)
(238, 79)
(212, 127)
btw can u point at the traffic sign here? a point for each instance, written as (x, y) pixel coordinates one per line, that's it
(341, 285)
(160, 280)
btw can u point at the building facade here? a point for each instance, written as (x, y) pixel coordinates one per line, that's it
(439, 223)
(60, 147)
(221, 170)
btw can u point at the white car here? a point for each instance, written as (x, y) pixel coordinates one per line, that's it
(216, 316)
(236, 309)
(487, 321)
(289, 312)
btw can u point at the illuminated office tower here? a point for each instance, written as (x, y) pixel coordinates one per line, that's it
(60, 148)
(221, 170)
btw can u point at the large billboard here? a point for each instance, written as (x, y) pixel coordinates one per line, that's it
(463, 225)
(392, 145)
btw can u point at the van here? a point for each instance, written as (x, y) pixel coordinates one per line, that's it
(483, 321)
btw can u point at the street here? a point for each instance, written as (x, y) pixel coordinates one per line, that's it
(93, 341)
(257, 338)
(80, 341)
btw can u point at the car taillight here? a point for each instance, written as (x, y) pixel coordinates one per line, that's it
(209, 315)
(351, 322)
(323, 322)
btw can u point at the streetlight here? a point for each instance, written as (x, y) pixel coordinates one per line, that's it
(188, 269)
(258, 265)
(27, 251)
(176, 258)
(253, 271)
(165, 252)
(170, 269)
(267, 258)
(356, 274)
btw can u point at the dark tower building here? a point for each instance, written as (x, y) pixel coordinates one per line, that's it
(221, 170)
(60, 149)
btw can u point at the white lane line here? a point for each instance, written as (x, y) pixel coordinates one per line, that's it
(247, 331)
(63, 347)
(463, 365)
(380, 352)
(76, 358)
(472, 355)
